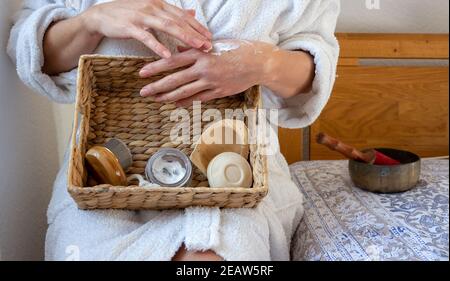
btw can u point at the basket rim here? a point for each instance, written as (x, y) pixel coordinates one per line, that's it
(79, 118)
(116, 57)
(106, 188)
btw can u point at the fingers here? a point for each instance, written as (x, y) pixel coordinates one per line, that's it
(176, 22)
(150, 41)
(189, 17)
(170, 26)
(172, 63)
(203, 97)
(183, 92)
(169, 83)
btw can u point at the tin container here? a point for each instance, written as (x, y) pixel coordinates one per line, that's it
(387, 179)
(169, 167)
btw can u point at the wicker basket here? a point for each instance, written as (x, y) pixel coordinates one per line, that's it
(109, 106)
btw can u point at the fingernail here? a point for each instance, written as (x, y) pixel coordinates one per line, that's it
(144, 73)
(207, 46)
(145, 92)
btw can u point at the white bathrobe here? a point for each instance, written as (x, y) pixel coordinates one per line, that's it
(263, 233)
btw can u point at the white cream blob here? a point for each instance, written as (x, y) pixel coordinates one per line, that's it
(225, 46)
(167, 171)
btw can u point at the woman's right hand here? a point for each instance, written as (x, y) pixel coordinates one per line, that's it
(134, 19)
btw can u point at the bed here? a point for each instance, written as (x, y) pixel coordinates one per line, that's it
(344, 223)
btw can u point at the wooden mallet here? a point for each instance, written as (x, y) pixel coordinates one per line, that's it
(371, 156)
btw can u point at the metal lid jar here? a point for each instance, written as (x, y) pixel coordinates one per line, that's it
(169, 167)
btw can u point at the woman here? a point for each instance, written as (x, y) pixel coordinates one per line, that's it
(287, 46)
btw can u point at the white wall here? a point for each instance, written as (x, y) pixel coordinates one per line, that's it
(395, 16)
(64, 113)
(28, 162)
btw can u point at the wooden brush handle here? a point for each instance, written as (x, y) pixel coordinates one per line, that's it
(346, 150)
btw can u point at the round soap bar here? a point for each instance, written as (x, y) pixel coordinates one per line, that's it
(229, 169)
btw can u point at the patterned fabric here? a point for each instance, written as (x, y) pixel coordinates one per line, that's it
(345, 223)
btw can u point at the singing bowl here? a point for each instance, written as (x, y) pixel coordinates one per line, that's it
(387, 179)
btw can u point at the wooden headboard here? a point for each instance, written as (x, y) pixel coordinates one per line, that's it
(391, 91)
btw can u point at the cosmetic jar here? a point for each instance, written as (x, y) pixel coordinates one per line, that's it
(169, 167)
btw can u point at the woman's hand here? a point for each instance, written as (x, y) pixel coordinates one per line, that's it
(133, 19)
(232, 67)
(66, 40)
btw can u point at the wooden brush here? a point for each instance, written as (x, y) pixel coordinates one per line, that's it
(107, 164)
(371, 156)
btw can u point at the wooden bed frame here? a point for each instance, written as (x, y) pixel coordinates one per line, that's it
(391, 91)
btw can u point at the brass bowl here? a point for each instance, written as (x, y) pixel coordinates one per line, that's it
(387, 179)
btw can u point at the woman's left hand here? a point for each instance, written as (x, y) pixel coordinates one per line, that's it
(230, 68)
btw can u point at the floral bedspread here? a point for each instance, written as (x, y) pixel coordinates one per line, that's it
(343, 222)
